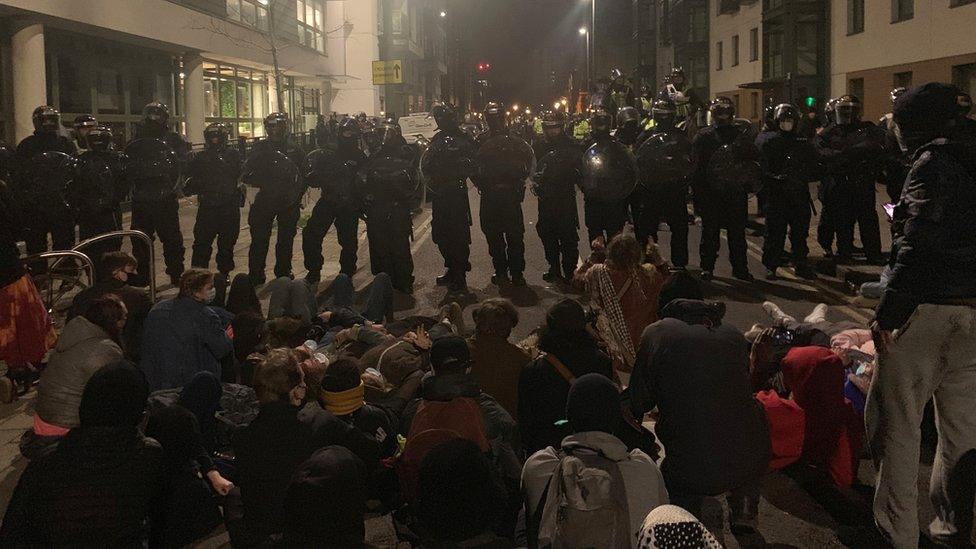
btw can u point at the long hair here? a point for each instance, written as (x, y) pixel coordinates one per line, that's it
(241, 297)
(623, 253)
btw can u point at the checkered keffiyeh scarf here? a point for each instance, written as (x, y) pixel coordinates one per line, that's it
(671, 527)
(619, 341)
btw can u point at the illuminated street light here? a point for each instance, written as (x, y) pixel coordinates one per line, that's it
(515, 107)
(556, 105)
(508, 113)
(564, 101)
(528, 111)
(582, 30)
(443, 14)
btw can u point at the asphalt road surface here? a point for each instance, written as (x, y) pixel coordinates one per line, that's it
(790, 515)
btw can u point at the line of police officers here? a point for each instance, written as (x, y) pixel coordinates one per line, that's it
(640, 174)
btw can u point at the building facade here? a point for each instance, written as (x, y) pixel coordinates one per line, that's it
(736, 62)
(413, 32)
(682, 37)
(208, 60)
(876, 46)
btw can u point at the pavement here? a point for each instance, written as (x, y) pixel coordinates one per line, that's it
(790, 516)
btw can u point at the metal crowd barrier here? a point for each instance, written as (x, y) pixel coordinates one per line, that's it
(135, 235)
(59, 256)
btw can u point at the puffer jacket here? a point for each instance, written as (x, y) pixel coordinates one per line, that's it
(933, 259)
(81, 351)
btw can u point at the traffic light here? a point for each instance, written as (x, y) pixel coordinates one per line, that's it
(484, 67)
(810, 101)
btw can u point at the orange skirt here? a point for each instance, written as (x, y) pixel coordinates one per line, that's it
(26, 331)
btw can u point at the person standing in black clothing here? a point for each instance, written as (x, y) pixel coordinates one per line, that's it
(448, 162)
(558, 173)
(213, 176)
(853, 153)
(726, 171)
(97, 190)
(274, 167)
(605, 205)
(789, 163)
(504, 162)
(39, 184)
(155, 205)
(665, 168)
(897, 162)
(335, 173)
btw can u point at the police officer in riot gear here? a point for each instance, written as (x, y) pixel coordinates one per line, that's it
(335, 174)
(503, 164)
(558, 173)
(628, 126)
(214, 175)
(155, 205)
(789, 163)
(853, 153)
(43, 167)
(97, 190)
(84, 123)
(665, 168)
(605, 212)
(274, 168)
(897, 162)
(389, 187)
(726, 170)
(447, 164)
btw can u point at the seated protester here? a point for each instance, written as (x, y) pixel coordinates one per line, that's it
(101, 487)
(459, 502)
(189, 508)
(834, 431)
(248, 323)
(451, 391)
(183, 336)
(379, 302)
(681, 284)
(87, 343)
(115, 268)
(694, 369)
(543, 386)
(592, 409)
(624, 294)
(343, 393)
(201, 397)
(402, 361)
(325, 502)
(671, 526)
(496, 363)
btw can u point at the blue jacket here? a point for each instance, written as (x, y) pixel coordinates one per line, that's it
(182, 337)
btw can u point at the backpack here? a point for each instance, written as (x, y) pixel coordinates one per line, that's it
(584, 504)
(787, 428)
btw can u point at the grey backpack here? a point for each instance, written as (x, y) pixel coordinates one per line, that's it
(585, 503)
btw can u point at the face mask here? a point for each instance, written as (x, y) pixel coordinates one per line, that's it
(211, 295)
(786, 125)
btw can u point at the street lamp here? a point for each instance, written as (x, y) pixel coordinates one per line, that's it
(515, 107)
(443, 13)
(556, 105)
(585, 32)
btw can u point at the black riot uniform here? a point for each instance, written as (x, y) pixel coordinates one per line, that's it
(789, 163)
(389, 188)
(446, 165)
(558, 173)
(214, 175)
(665, 167)
(726, 171)
(43, 167)
(274, 168)
(504, 162)
(853, 154)
(897, 161)
(97, 190)
(334, 172)
(153, 174)
(609, 174)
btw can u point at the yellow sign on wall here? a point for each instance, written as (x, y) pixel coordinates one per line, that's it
(388, 72)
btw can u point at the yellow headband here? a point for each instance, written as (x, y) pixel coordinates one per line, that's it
(345, 402)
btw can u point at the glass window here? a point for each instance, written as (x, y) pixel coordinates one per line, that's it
(109, 86)
(855, 16)
(74, 86)
(253, 13)
(754, 44)
(773, 52)
(245, 129)
(210, 101)
(698, 24)
(855, 87)
(957, 3)
(902, 79)
(228, 105)
(807, 47)
(964, 77)
(735, 50)
(310, 15)
(902, 10)
(243, 100)
(234, 10)
(718, 56)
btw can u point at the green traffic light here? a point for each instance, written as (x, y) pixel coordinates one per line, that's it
(811, 101)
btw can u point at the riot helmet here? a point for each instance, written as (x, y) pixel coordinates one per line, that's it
(664, 113)
(847, 110)
(601, 121)
(721, 111)
(276, 126)
(444, 115)
(769, 117)
(616, 77)
(628, 123)
(495, 116)
(83, 124)
(786, 117)
(896, 93)
(349, 131)
(99, 138)
(46, 119)
(389, 134)
(829, 107)
(156, 113)
(215, 135)
(677, 77)
(553, 124)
